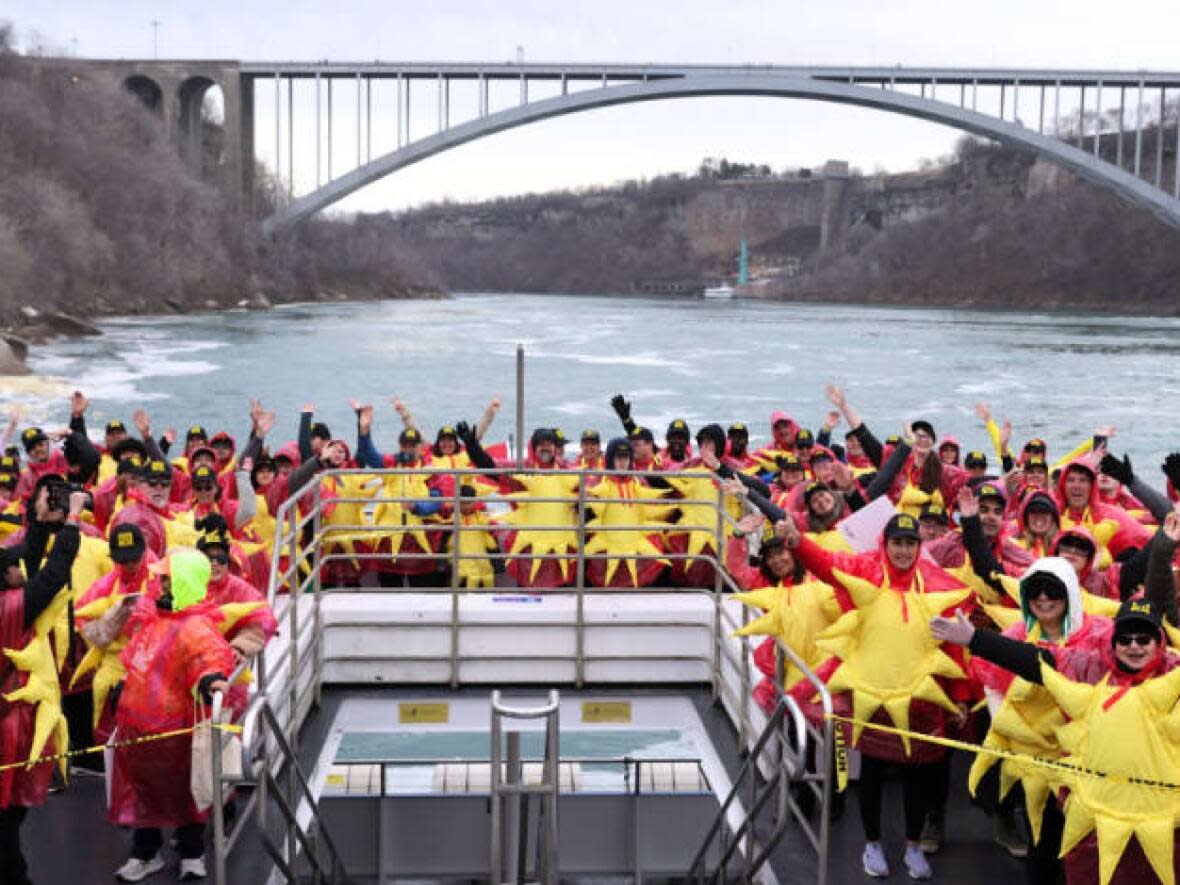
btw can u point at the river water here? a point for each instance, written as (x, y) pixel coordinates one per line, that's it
(1056, 376)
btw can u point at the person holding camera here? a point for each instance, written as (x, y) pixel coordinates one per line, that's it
(22, 600)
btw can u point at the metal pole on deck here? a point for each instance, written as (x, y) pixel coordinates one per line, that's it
(520, 404)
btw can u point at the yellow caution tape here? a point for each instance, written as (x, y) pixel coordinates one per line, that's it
(130, 742)
(1059, 765)
(841, 752)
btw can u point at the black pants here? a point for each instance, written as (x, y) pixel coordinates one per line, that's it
(919, 784)
(147, 842)
(13, 869)
(1043, 866)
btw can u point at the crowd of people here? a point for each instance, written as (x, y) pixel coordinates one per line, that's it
(136, 567)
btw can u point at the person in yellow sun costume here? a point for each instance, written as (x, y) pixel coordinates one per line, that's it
(886, 669)
(526, 544)
(1120, 701)
(618, 505)
(31, 721)
(1053, 613)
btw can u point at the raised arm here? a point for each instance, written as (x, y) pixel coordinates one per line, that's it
(888, 472)
(488, 416)
(143, 423)
(46, 582)
(406, 415)
(1022, 658)
(1161, 583)
(78, 406)
(622, 408)
(306, 416)
(873, 449)
(983, 561)
(1157, 504)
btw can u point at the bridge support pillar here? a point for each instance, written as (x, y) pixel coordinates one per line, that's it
(837, 196)
(238, 127)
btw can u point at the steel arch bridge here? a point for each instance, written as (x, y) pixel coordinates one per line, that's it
(945, 96)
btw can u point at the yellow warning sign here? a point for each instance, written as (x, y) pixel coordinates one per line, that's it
(606, 711)
(434, 714)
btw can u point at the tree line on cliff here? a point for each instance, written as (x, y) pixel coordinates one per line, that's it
(100, 213)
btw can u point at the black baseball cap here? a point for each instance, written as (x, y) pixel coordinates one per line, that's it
(156, 470)
(409, 435)
(922, 424)
(31, 437)
(126, 543)
(678, 427)
(902, 525)
(196, 432)
(814, 488)
(543, 435)
(560, 436)
(892, 440)
(1036, 463)
(989, 490)
(975, 459)
(213, 537)
(936, 512)
(788, 462)
(737, 428)
(320, 430)
(204, 476)
(1039, 501)
(591, 435)
(1035, 445)
(129, 447)
(644, 434)
(116, 426)
(804, 438)
(1138, 611)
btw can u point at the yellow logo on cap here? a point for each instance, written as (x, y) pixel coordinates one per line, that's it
(1143, 608)
(195, 429)
(906, 522)
(125, 539)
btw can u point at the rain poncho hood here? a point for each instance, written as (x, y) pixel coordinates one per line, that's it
(1064, 572)
(792, 428)
(190, 578)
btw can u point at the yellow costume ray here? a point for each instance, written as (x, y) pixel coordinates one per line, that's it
(796, 615)
(543, 513)
(698, 521)
(888, 657)
(620, 543)
(1129, 732)
(403, 484)
(43, 687)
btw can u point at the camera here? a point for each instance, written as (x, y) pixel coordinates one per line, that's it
(57, 499)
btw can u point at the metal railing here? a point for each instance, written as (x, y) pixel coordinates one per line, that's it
(510, 796)
(306, 542)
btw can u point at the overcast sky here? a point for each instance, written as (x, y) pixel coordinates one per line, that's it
(633, 141)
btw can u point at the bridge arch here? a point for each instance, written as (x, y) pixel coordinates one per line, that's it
(1123, 184)
(147, 91)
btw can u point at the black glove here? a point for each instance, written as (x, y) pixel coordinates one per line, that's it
(621, 406)
(1171, 469)
(464, 432)
(1116, 469)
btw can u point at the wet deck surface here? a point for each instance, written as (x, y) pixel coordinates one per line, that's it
(69, 840)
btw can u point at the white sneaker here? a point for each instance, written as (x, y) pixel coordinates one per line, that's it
(136, 870)
(916, 864)
(192, 868)
(874, 861)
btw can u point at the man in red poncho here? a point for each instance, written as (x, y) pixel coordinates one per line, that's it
(21, 602)
(43, 459)
(176, 655)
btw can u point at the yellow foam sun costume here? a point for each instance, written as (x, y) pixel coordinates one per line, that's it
(913, 499)
(1026, 722)
(888, 657)
(348, 513)
(700, 520)
(476, 541)
(621, 544)
(796, 616)
(1130, 732)
(543, 513)
(43, 686)
(403, 484)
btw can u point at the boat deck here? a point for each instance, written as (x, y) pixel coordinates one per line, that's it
(69, 840)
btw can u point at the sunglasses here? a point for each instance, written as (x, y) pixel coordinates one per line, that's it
(159, 483)
(219, 558)
(203, 487)
(1140, 639)
(1054, 594)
